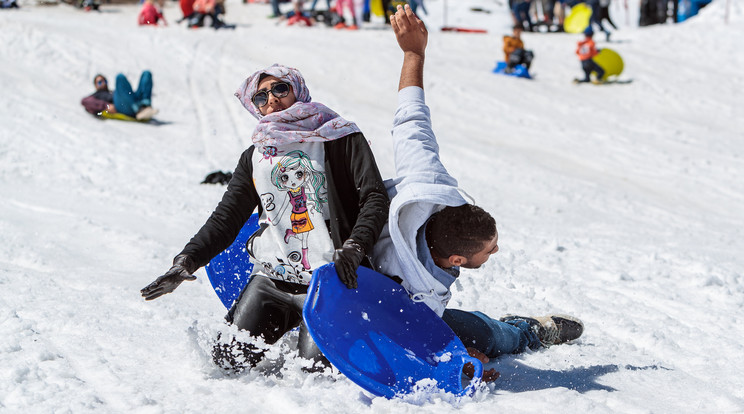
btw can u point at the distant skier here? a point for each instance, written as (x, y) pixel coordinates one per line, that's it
(123, 99)
(586, 50)
(514, 51)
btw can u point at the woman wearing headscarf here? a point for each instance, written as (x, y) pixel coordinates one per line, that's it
(312, 178)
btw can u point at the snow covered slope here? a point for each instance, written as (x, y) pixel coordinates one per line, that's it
(619, 204)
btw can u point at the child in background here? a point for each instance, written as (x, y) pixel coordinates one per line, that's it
(150, 15)
(586, 51)
(204, 8)
(297, 15)
(514, 52)
(349, 4)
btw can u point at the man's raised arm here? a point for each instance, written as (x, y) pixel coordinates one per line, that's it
(412, 36)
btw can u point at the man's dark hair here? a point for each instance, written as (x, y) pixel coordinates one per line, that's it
(461, 230)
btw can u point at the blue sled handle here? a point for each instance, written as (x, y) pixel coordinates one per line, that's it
(477, 375)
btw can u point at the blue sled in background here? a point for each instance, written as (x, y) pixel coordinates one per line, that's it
(382, 340)
(520, 71)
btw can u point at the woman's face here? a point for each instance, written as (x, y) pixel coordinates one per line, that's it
(274, 104)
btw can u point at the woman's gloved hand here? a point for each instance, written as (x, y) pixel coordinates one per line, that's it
(182, 269)
(347, 260)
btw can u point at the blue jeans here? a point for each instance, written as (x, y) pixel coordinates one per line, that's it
(129, 102)
(328, 3)
(521, 12)
(490, 336)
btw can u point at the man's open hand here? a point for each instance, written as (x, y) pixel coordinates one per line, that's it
(411, 34)
(409, 30)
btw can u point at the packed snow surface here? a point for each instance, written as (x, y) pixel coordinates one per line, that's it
(620, 204)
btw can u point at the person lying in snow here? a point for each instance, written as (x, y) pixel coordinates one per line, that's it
(432, 231)
(311, 176)
(123, 99)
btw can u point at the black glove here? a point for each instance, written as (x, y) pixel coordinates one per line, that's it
(183, 267)
(347, 259)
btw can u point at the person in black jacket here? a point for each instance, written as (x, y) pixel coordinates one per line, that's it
(312, 178)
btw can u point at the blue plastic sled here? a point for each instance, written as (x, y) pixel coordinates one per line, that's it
(382, 340)
(230, 270)
(520, 71)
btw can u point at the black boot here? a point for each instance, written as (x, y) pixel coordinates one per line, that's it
(236, 356)
(552, 329)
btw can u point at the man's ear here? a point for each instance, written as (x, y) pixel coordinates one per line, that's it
(457, 260)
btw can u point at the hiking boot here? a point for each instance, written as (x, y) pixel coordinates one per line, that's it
(339, 26)
(352, 27)
(552, 329)
(236, 356)
(146, 113)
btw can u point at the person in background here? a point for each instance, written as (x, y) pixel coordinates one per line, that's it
(521, 13)
(315, 2)
(514, 52)
(151, 15)
(298, 15)
(597, 16)
(346, 4)
(586, 50)
(204, 8)
(123, 99)
(604, 12)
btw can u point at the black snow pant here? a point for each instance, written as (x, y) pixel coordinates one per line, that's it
(590, 66)
(604, 14)
(268, 309)
(520, 57)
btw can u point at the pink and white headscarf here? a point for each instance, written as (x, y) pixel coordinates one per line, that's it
(304, 121)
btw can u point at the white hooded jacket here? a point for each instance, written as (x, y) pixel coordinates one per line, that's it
(422, 187)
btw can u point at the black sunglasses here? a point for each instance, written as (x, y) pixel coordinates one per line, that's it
(279, 90)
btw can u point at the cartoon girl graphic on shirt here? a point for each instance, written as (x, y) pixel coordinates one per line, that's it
(305, 187)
